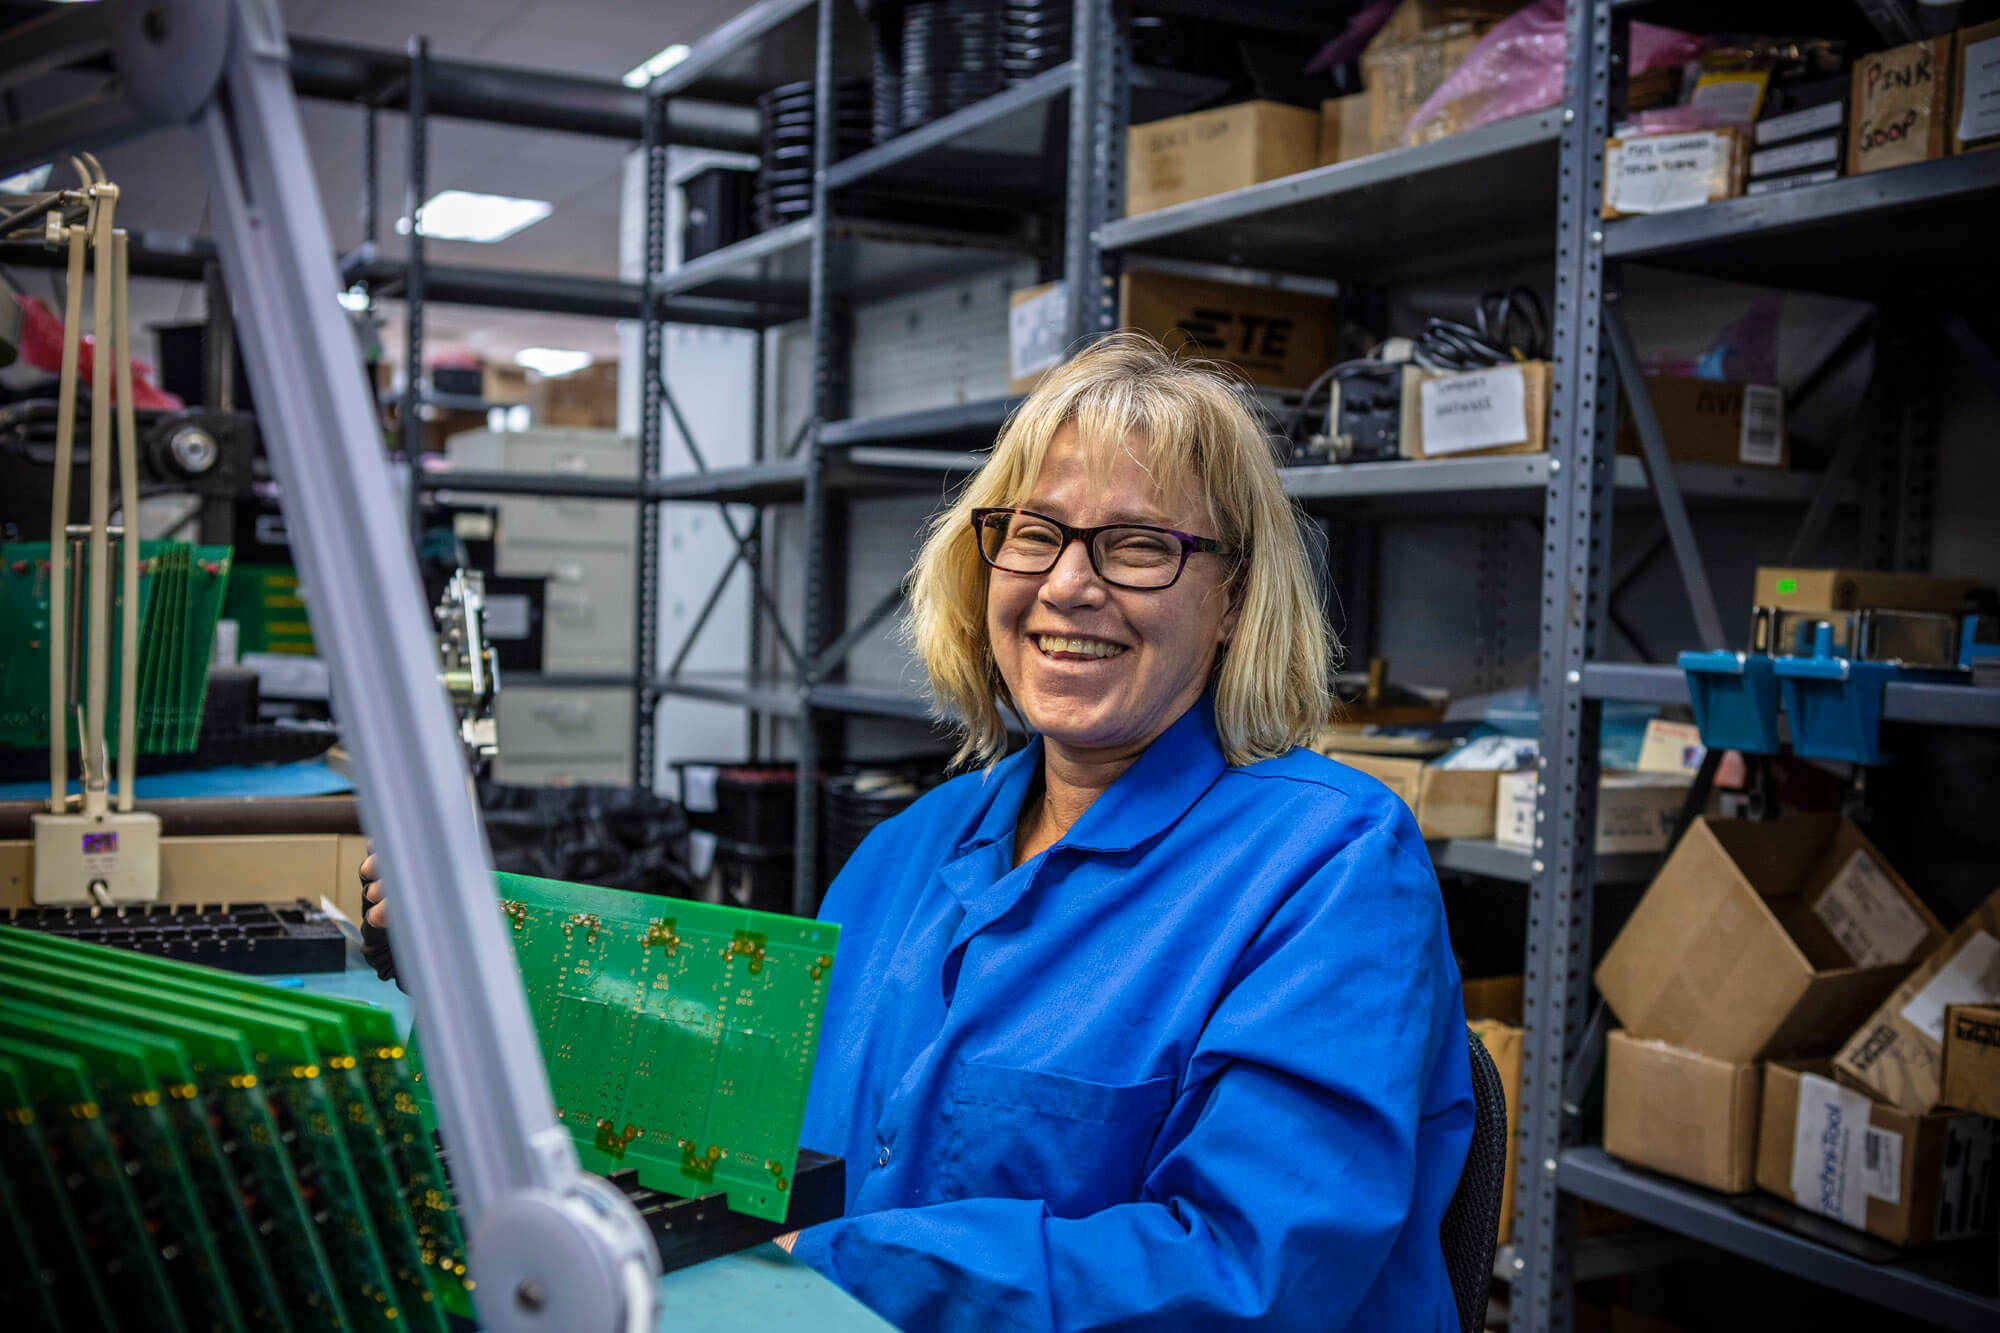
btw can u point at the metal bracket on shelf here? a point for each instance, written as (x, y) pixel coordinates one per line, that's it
(1660, 470)
(551, 1246)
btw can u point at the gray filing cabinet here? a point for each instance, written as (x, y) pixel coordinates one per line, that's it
(585, 549)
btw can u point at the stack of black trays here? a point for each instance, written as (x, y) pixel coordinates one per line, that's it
(1034, 36)
(784, 190)
(951, 57)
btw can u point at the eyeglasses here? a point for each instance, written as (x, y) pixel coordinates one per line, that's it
(1125, 555)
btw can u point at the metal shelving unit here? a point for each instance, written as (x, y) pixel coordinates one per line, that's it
(1830, 239)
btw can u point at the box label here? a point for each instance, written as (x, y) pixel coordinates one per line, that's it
(1882, 1165)
(1828, 1175)
(1972, 977)
(1775, 184)
(1479, 410)
(1035, 332)
(1965, 1195)
(1793, 124)
(1762, 440)
(1871, 919)
(1979, 118)
(1796, 156)
(1663, 172)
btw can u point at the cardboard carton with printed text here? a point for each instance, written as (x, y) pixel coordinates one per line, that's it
(1971, 1058)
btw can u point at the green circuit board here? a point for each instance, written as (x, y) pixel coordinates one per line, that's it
(679, 1036)
(66, 1294)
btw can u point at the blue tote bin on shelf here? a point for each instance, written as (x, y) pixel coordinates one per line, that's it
(1836, 706)
(1735, 697)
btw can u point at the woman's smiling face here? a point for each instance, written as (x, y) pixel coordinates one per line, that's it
(1144, 657)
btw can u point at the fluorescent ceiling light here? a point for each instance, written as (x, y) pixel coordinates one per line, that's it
(456, 215)
(640, 75)
(551, 362)
(354, 299)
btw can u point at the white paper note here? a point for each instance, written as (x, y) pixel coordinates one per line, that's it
(1477, 410)
(1862, 909)
(1972, 977)
(1035, 332)
(1980, 116)
(1662, 172)
(1827, 1138)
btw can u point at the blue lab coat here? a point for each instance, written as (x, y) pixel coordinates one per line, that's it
(1200, 1065)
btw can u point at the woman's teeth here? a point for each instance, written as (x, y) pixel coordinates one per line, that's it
(1085, 647)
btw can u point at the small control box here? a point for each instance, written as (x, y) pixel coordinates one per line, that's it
(106, 858)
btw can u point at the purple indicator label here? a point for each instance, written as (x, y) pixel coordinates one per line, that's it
(95, 844)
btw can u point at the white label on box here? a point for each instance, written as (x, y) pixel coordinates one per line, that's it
(1827, 1176)
(1777, 129)
(1965, 1182)
(1662, 172)
(1776, 184)
(1863, 909)
(1980, 116)
(1972, 977)
(1796, 156)
(1882, 1165)
(1476, 410)
(1035, 332)
(1763, 437)
(1514, 810)
(698, 787)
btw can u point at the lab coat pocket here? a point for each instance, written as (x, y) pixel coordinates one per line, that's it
(1077, 1145)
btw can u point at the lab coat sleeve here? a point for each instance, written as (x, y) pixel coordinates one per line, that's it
(1283, 1173)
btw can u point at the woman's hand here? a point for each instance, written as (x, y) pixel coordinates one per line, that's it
(786, 1241)
(375, 907)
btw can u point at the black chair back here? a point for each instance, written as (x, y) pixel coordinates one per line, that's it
(1472, 1222)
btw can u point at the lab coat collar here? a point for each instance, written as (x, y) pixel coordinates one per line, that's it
(1159, 787)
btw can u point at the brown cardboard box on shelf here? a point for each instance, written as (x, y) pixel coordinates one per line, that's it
(1413, 18)
(1498, 998)
(587, 397)
(1206, 152)
(1858, 590)
(1971, 1058)
(1448, 803)
(1503, 1043)
(1343, 129)
(1760, 937)
(1975, 88)
(1664, 173)
(1900, 108)
(505, 384)
(1498, 410)
(1680, 1112)
(1909, 1179)
(1636, 812)
(1278, 338)
(1709, 421)
(1401, 74)
(1898, 1053)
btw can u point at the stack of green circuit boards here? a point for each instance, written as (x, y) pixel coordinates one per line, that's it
(181, 589)
(188, 1149)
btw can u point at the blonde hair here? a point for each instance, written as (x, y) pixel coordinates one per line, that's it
(1271, 684)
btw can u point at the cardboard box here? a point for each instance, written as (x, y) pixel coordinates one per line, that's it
(1971, 1059)
(1671, 747)
(1401, 73)
(1497, 998)
(1448, 803)
(1908, 1179)
(1279, 339)
(1900, 106)
(1500, 410)
(1413, 18)
(587, 397)
(1035, 343)
(506, 384)
(1975, 88)
(1206, 152)
(1709, 421)
(1898, 1054)
(1686, 1114)
(1736, 949)
(1343, 129)
(1858, 590)
(1663, 173)
(1636, 812)
(1503, 1043)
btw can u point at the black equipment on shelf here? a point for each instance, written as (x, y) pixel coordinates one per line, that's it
(721, 210)
(852, 804)
(785, 186)
(262, 939)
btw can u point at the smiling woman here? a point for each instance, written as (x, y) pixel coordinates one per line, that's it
(1153, 1023)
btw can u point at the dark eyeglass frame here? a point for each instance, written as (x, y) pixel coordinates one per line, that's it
(1190, 545)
